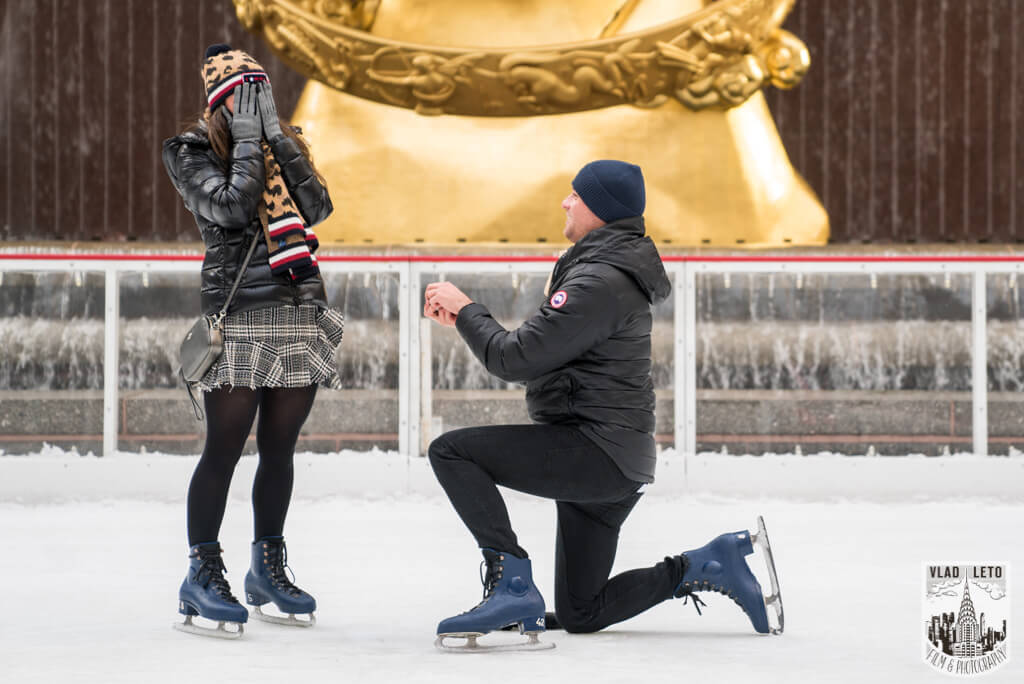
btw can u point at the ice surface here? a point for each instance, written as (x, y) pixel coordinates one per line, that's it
(91, 575)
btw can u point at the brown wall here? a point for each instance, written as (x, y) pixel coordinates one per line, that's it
(906, 126)
(90, 88)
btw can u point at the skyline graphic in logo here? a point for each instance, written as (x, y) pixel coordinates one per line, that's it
(966, 616)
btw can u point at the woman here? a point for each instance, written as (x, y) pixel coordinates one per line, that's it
(247, 178)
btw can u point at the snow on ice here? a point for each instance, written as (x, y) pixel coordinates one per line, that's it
(95, 552)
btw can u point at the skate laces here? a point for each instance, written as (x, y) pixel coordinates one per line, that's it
(687, 589)
(490, 580)
(278, 565)
(211, 574)
(697, 602)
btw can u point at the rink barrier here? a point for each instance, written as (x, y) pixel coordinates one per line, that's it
(414, 331)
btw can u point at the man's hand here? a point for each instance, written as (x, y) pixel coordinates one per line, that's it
(443, 302)
(441, 316)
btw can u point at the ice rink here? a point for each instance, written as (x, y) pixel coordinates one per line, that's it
(95, 552)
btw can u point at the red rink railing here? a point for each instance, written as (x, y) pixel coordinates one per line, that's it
(519, 258)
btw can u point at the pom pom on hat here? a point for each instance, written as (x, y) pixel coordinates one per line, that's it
(216, 49)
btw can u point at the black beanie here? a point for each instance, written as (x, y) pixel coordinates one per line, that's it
(611, 189)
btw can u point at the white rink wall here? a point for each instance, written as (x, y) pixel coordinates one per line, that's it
(54, 475)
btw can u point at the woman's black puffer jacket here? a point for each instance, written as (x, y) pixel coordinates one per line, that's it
(224, 199)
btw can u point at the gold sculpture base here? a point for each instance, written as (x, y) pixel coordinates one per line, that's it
(715, 178)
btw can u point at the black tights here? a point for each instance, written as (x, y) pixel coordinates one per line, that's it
(229, 416)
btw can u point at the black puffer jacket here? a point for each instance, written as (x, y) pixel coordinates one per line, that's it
(224, 201)
(586, 354)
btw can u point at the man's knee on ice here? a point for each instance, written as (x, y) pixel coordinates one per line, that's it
(440, 451)
(575, 621)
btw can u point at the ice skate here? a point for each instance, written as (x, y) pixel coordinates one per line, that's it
(720, 566)
(510, 598)
(267, 582)
(205, 593)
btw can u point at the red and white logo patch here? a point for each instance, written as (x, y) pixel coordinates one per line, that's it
(558, 299)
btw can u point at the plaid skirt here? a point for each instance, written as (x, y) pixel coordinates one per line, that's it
(281, 346)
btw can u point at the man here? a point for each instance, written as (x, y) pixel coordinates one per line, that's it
(585, 359)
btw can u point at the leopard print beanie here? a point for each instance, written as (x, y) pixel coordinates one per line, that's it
(224, 69)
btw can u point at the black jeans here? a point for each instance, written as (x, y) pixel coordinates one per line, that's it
(593, 498)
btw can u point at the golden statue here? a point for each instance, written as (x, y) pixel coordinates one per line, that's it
(470, 117)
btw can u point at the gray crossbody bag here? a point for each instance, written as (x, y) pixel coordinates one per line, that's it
(204, 342)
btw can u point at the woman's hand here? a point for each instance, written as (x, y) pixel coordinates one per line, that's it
(268, 112)
(245, 124)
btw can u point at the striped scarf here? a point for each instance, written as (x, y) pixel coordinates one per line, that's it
(290, 243)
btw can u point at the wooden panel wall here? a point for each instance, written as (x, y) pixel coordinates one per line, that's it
(906, 126)
(90, 89)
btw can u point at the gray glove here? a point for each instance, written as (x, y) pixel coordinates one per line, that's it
(268, 112)
(245, 124)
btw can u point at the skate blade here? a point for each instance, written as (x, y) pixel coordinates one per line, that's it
(218, 632)
(773, 602)
(290, 620)
(471, 645)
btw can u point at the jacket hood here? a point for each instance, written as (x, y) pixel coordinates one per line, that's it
(624, 245)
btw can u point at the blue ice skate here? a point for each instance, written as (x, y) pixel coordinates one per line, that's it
(267, 582)
(720, 566)
(205, 592)
(510, 598)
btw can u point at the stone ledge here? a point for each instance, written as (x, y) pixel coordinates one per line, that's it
(740, 421)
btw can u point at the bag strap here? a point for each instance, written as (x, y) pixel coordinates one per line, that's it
(234, 288)
(196, 408)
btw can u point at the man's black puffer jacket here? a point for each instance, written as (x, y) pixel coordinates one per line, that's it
(586, 354)
(224, 199)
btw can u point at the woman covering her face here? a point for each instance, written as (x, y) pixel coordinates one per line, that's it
(249, 181)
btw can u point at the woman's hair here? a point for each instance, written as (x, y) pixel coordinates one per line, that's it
(218, 131)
